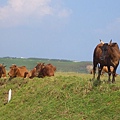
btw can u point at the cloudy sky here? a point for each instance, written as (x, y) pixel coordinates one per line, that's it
(57, 29)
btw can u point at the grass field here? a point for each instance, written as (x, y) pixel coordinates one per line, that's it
(66, 96)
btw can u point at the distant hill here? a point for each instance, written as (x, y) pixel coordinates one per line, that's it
(61, 64)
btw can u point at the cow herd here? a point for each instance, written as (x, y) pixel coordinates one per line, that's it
(40, 70)
(106, 57)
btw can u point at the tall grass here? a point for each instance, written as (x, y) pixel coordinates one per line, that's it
(66, 96)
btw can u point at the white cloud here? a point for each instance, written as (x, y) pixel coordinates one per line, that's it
(64, 13)
(17, 12)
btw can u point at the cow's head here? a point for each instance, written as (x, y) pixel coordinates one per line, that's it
(105, 49)
(13, 71)
(38, 68)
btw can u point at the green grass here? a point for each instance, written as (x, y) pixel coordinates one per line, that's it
(66, 96)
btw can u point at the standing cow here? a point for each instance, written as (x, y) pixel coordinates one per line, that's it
(106, 54)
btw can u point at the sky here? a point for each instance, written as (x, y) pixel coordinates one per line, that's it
(57, 29)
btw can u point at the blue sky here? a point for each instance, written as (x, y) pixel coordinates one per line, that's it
(57, 29)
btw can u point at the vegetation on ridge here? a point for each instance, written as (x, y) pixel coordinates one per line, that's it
(66, 96)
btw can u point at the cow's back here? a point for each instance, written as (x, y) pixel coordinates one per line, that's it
(32, 73)
(22, 71)
(115, 47)
(97, 53)
(48, 70)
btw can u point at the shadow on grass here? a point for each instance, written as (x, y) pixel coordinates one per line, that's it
(96, 82)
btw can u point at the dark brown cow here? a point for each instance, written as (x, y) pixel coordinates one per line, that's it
(39, 67)
(43, 70)
(106, 55)
(16, 71)
(2, 71)
(35, 72)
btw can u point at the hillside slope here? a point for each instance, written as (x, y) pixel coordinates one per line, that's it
(61, 65)
(66, 96)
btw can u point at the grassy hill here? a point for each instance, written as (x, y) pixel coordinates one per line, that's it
(69, 95)
(66, 96)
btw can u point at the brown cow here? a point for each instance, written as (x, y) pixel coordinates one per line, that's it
(43, 70)
(32, 73)
(106, 55)
(16, 71)
(48, 70)
(35, 72)
(2, 71)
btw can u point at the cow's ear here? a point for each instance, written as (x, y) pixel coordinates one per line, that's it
(101, 41)
(4, 65)
(110, 42)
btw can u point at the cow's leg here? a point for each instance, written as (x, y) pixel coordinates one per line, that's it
(0, 75)
(109, 73)
(94, 70)
(99, 71)
(114, 74)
